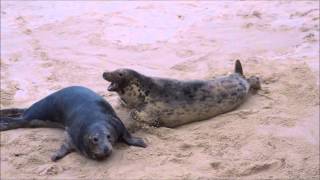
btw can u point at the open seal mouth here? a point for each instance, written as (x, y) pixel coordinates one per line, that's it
(113, 86)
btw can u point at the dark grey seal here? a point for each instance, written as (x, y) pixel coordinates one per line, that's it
(170, 102)
(91, 124)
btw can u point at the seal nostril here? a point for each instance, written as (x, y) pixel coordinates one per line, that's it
(107, 151)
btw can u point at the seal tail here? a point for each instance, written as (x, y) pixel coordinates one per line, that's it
(13, 112)
(238, 67)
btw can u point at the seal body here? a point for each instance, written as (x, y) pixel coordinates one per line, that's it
(91, 124)
(170, 103)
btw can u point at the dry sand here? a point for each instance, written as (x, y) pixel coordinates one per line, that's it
(46, 46)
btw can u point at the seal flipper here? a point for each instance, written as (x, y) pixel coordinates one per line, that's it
(7, 123)
(13, 112)
(238, 67)
(66, 148)
(124, 134)
(133, 141)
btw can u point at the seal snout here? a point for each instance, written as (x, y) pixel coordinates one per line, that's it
(103, 153)
(107, 151)
(106, 75)
(109, 77)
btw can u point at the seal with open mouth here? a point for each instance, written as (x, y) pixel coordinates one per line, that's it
(91, 124)
(170, 103)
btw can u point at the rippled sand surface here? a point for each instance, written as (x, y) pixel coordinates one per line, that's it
(46, 46)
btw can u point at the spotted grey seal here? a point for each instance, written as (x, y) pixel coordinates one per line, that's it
(91, 124)
(170, 103)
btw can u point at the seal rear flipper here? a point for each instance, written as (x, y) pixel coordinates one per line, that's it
(133, 141)
(13, 112)
(254, 82)
(66, 148)
(238, 67)
(7, 123)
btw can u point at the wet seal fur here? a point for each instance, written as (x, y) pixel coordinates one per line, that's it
(171, 103)
(91, 124)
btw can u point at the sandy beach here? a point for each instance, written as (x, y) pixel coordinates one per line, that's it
(46, 46)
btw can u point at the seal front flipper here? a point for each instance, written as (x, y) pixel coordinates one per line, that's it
(133, 141)
(144, 114)
(66, 148)
(125, 136)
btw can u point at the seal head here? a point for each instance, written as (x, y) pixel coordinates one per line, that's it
(120, 78)
(132, 86)
(97, 141)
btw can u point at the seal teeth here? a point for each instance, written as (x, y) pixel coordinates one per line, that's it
(113, 86)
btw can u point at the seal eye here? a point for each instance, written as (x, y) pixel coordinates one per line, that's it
(120, 74)
(95, 139)
(108, 136)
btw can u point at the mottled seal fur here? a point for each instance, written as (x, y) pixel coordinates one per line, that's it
(170, 103)
(91, 124)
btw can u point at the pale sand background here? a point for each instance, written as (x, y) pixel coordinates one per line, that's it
(46, 46)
